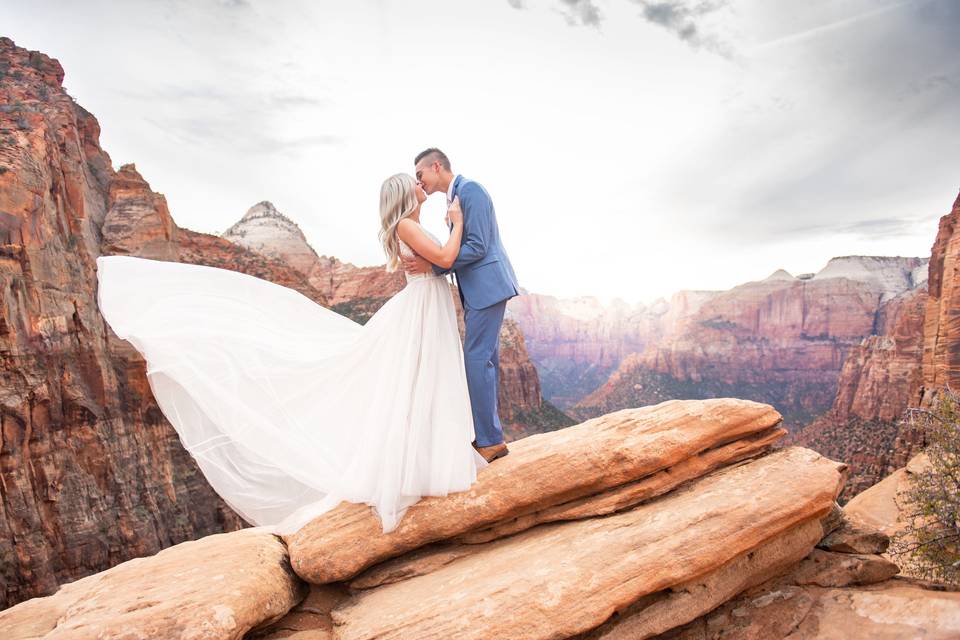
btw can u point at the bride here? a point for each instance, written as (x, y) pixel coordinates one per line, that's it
(290, 408)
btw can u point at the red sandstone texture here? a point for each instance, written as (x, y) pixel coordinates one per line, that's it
(91, 474)
(779, 340)
(912, 355)
(577, 343)
(879, 380)
(941, 332)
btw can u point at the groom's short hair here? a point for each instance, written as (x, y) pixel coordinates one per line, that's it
(434, 154)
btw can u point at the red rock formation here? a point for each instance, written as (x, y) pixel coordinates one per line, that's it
(880, 374)
(902, 366)
(782, 340)
(878, 382)
(941, 331)
(91, 474)
(577, 343)
(139, 223)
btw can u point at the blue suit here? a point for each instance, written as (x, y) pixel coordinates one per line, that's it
(486, 281)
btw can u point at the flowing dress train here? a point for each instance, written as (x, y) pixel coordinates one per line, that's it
(290, 408)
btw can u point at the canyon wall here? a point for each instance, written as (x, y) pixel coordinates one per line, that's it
(941, 330)
(911, 356)
(781, 340)
(91, 474)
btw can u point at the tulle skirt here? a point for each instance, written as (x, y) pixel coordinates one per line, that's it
(290, 408)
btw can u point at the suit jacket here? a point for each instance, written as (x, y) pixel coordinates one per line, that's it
(483, 270)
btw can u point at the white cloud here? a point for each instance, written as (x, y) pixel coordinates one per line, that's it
(625, 156)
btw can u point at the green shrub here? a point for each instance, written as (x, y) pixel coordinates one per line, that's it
(930, 541)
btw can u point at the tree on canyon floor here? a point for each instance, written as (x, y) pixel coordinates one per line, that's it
(930, 541)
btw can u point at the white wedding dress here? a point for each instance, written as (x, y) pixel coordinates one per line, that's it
(290, 408)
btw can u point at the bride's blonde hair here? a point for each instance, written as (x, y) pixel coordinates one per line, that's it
(398, 199)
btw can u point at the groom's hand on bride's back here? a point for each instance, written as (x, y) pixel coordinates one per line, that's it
(415, 265)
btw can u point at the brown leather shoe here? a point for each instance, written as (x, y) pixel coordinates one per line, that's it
(492, 452)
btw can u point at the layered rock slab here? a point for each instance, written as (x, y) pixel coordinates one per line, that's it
(559, 580)
(662, 611)
(541, 471)
(891, 610)
(218, 587)
(632, 493)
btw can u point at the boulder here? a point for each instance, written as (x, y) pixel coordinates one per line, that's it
(558, 580)
(830, 569)
(215, 588)
(855, 537)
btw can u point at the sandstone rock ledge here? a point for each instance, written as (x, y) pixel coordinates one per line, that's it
(220, 586)
(637, 524)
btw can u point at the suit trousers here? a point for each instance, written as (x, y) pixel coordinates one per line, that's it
(481, 352)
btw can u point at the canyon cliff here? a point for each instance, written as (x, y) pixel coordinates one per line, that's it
(91, 473)
(880, 378)
(902, 366)
(941, 329)
(781, 340)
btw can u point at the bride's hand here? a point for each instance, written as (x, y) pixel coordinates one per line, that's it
(454, 213)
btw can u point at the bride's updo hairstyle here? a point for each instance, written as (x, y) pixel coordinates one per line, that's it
(398, 199)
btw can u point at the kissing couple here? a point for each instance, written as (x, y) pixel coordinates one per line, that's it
(289, 408)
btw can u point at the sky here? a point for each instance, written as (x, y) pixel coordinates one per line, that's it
(632, 148)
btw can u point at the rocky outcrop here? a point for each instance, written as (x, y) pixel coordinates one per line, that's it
(886, 507)
(881, 506)
(138, 223)
(220, 586)
(653, 553)
(779, 340)
(941, 331)
(670, 513)
(781, 609)
(91, 474)
(542, 471)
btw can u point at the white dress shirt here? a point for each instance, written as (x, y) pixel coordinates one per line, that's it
(450, 189)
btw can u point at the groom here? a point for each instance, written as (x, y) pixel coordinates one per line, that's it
(486, 281)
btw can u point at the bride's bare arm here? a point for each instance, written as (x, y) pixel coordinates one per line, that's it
(412, 234)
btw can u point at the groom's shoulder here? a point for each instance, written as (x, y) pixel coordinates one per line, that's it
(468, 186)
